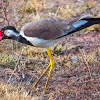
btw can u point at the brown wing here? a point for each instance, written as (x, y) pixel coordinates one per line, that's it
(47, 29)
(50, 28)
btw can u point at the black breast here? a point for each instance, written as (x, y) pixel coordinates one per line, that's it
(23, 40)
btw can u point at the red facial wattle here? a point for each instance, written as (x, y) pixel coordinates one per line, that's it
(1, 34)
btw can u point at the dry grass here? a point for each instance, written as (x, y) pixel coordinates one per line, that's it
(76, 73)
(9, 92)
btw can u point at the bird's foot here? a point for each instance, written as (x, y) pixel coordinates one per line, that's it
(35, 84)
(49, 75)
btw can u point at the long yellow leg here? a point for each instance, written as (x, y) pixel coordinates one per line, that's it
(41, 76)
(51, 68)
(51, 64)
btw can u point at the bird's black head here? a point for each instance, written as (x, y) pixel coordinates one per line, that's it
(9, 28)
(8, 32)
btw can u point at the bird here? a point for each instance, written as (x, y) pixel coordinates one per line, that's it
(44, 33)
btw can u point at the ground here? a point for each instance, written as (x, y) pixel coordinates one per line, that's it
(76, 74)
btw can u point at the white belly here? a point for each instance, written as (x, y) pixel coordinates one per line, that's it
(39, 42)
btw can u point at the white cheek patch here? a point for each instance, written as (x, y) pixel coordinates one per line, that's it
(7, 34)
(10, 33)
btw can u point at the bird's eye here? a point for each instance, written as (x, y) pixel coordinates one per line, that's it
(2, 33)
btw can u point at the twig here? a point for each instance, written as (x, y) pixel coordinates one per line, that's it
(83, 55)
(16, 65)
(4, 11)
(18, 20)
(57, 12)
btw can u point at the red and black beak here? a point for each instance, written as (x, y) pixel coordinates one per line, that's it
(1, 35)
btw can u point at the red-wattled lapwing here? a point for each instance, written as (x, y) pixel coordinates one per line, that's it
(44, 33)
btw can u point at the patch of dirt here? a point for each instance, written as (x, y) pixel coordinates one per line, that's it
(75, 83)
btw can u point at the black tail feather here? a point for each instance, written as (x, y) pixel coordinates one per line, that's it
(91, 21)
